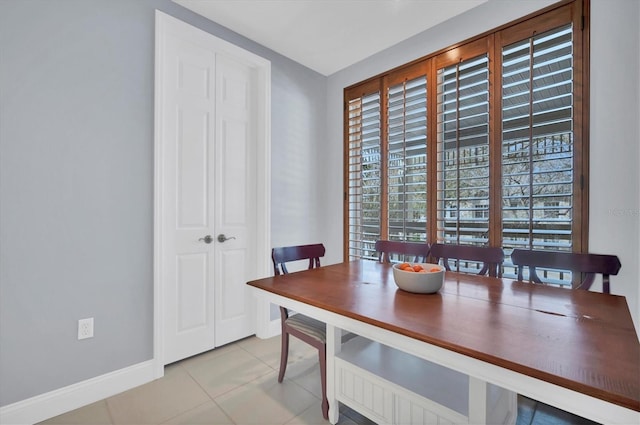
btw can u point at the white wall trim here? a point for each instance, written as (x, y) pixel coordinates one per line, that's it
(158, 201)
(57, 402)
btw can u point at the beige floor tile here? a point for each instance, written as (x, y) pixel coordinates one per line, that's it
(227, 371)
(205, 414)
(93, 414)
(208, 355)
(159, 400)
(267, 402)
(306, 373)
(268, 350)
(313, 416)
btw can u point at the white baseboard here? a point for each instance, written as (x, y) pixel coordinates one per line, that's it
(57, 402)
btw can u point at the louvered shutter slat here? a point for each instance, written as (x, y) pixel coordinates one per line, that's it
(364, 175)
(406, 150)
(537, 143)
(463, 161)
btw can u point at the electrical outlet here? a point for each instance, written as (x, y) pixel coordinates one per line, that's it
(85, 328)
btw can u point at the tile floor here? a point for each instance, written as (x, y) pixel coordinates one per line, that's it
(237, 384)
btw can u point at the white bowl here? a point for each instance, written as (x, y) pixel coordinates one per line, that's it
(421, 283)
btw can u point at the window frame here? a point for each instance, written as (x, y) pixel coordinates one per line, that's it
(575, 12)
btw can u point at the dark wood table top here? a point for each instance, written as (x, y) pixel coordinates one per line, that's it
(581, 340)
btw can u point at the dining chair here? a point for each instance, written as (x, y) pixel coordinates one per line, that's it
(305, 328)
(490, 257)
(419, 251)
(587, 264)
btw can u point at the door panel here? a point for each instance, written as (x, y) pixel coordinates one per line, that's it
(233, 147)
(192, 277)
(234, 289)
(188, 118)
(235, 195)
(192, 185)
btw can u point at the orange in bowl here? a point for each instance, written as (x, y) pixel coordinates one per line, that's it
(421, 278)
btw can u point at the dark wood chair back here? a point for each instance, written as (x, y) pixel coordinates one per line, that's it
(417, 250)
(490, 257)
(282, 255)
(587, 264)
(306, 329)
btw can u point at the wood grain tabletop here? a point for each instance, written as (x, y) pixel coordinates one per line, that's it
(581, 340)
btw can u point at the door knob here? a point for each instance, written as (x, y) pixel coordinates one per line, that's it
(223, 238)
(206, 239)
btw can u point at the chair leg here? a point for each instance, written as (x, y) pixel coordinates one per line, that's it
(284, 355)
(322, 354)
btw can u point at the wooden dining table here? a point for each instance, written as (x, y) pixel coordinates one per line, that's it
(573, 349)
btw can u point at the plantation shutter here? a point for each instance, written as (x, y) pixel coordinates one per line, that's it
(364, 173)
(484, 143)
(407, 160)
(537, 143)
(463, 152)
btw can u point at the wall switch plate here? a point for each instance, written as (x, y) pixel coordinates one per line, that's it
(85, 328)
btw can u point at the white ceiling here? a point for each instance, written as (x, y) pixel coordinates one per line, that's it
(328, 35)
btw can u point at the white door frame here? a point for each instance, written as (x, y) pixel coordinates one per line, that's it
(164, 24)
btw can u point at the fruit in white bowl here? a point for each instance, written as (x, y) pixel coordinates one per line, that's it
(421, 278)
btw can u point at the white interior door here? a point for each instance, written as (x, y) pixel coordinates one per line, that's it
(235, 212)
(208, 104)
(188, 119)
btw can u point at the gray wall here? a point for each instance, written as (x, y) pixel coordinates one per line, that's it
(76, 182)
(614, 225)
